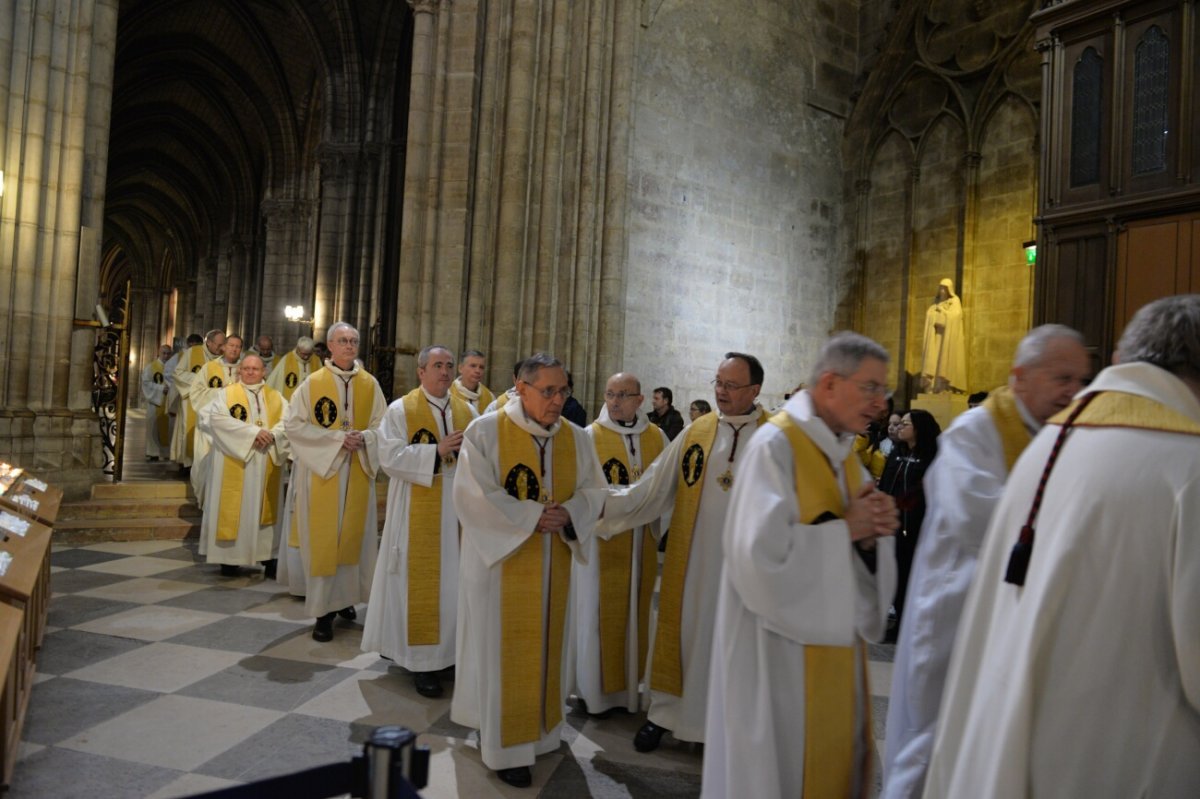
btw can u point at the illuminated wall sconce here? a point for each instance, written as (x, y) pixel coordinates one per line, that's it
(1030, 253)
(295, 313)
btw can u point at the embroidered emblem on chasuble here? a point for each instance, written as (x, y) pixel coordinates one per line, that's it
(216, 382)
(830, 694)
(667, 673)
(425, 525)
(336, 539)
(158, 375)
(616, 563)
(531, 646)
(291, 380)
(229, 517)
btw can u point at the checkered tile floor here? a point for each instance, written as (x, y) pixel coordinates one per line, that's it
(158, 677)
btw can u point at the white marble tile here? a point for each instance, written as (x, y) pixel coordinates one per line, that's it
(343, 650)
(25, 749)
(178, 732)
(282, 608)
(150, 623)
(138, 566)
(190, 785)
(160, 667)
(146, 590)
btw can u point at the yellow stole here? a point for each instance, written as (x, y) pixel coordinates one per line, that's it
(196, 361)
(425, 522)
(229, 518)
(616, 560)
(502, 400)
(292, 377)
(531, 662)
(161, 421)
(481, 402)
(1119, 409)
(336, 540)
(667, 672)
(1014, 436)
(830, 699)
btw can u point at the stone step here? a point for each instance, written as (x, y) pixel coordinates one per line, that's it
(95, 531)
(162, 489)
(128, 508)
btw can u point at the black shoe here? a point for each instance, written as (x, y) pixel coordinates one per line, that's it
(648, 737)
(429, 685)
(519, 777)
(603, 714)
(269, 568)
(323, 629)
(349, 614)
(229, 570)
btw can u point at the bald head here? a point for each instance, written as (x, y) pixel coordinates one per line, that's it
(250, 370)
(623, 397)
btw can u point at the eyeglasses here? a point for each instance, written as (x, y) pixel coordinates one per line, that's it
(345, 341)
(725, 385)
(871, 388)
(549, 393)
(619, 396)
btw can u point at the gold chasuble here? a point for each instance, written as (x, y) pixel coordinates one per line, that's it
(480, 402)
(667, 671)
(161, 421)
(230, 515)
(425, 522)
(1014, 436)
(336, 540)
(830, 698)
(616, 557)
(531, 644)
(196, 361)
(292, 376)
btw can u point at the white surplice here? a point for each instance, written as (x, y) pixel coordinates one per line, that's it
(317, 450)
(155, 396)
(234, 438)
(785, 585)
(385, 629)
(494, 526)
(585, 594)
(962, 488)
(200, 397)
(653, 497)
(1085, 681)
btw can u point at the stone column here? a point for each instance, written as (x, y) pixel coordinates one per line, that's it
(56, 60)
(286, 279)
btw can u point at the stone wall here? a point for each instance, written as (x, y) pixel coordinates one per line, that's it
(735, 189)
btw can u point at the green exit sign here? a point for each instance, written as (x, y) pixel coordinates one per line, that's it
(1030, 254)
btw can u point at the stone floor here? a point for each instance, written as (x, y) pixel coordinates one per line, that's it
(160, 678)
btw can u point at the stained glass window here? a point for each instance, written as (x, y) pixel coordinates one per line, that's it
(1087, 96)
(1151, 69)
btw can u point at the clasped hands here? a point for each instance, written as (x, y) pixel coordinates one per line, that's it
(353, 441)
(555, 518)
(450, 444)
(871, 515)
(264, 440)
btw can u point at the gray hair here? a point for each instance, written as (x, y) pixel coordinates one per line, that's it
(336, 326)
(471, 354)
(210, 335)
(305, 344)
(843, 353)
(1165, 333)
(1033, 347)
(536, 363)
(423, 355)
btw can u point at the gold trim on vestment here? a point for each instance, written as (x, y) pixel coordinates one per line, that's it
(482, 400)
(615, 567)
(532, 638)
(334, 541)
(1014, 435)
(830, 697)
(196, 361)
(425, 523)
(1121, 409)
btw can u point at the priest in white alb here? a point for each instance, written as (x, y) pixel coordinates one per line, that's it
(183, 378)
(293, 368)
(212, 377)
(975, 456)
(331, 526)
(808, 578)
(155, 388)
(691, 482)
(244, 423)
(1077, 666)
(413, 608)
(528, 493)
(611, 593)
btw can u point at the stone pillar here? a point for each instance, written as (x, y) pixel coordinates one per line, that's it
(56, 60)
(337, 225)
(286, 280)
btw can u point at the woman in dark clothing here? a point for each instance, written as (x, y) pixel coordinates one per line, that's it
(902, 478)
